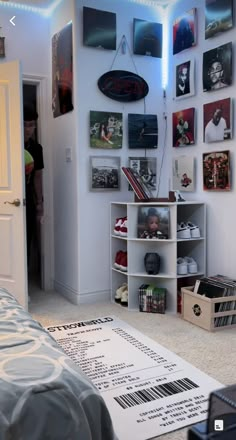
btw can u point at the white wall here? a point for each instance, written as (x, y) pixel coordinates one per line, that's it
(221, 211)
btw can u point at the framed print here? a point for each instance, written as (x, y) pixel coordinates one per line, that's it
(104, 173)
(217, 68)
(142, 131)
(147, 38)
(106, 130)
(184, 80)
(99, 28)
(153, 222)
(184, 31)
(216, 171)
(183, 127)
(217, 120)
(146, 168)
(218, 16)
(183, 173)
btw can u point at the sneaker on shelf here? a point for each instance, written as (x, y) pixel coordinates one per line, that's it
(182, 267)
(191, 264)
(123, 262)
(124, 227)
(119, 292)
(124, 298)
(178, 196)
(118, 257)
(117, 226)
(194, 230)
(183, 231)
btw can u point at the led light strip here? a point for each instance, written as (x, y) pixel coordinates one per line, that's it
(42, 11)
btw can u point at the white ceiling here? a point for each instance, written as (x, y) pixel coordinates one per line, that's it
(47, 3)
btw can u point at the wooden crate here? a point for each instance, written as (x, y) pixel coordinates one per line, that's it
(200, 310)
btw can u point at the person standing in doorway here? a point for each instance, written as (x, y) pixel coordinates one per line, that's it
(34, 180)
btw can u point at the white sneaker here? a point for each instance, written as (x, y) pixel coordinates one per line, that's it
(194, 230)
(183, 230)
(182, 266)
(191, 264)
(124, 298)
(120, 291)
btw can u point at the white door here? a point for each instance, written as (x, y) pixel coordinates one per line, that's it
(13, 262)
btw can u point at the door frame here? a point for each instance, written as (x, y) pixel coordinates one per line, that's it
(47, 244)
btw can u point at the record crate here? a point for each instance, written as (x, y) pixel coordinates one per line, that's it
(201, 311)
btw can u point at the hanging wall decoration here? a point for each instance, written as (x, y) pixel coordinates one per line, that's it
(184, 31)
(147, 38)
(183, 128)
(123, 86)
(217, 67)
(142, 131)
(184, 80)
(217, 120)
(99, 28)
(62, 72)
(104, 173)
(216, 171)
(183, 173)
(218, 17)
(106, 130)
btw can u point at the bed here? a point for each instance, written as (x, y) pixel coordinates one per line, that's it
(43, 394)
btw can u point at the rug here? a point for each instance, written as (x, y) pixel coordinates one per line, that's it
(149, 390)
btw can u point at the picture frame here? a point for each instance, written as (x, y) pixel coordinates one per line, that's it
(217, 121)
(184, 79)
(147, 38)
(184, 31)
(104, 173)
(183, 174)
(106, 130)
(183, 127)
(160, 218)
(99, 28)
(217, 68)
(146, 167)
(142, 131)
(218, 17)
(216, 171)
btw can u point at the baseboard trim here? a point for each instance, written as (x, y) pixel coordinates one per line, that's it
(81, 298)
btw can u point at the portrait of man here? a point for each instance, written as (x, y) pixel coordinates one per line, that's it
(217, 120)
(184, 79)
(217, 68)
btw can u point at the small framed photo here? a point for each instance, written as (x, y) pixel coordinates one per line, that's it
(184, 80)
(146, 167)
(217, 120)
(104, 173)
(183, 127)
(106, 130)
(216, 171)
(153, 222)
(183, 173)
(142, 131)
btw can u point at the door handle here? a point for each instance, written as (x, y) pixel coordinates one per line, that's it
(15, 202)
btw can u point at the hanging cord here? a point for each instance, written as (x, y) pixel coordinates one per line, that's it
(163, 155)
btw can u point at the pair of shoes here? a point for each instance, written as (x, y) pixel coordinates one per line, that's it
(188, 230)
(121, 227)
(121, 261)
(178, 197)
(121, 293)
(186, 265)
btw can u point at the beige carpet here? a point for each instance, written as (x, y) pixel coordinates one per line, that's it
(213, 353)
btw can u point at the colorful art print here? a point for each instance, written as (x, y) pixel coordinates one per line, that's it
(218, 16)
(104, 173)
(153, 222)
(217, 68)
(184, 31)
(62, 72)
(183, 127)
(184, 80)
(217, 120)
(146, 168)
(216, 171)
(142, 131)
(183, 173)
(147, 38)
(99, 28)
(106, 130)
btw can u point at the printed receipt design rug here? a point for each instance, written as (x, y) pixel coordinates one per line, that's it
(148, 389)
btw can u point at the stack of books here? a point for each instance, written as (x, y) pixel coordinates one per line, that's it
(152, 299)
(216, 287)
(136, 182)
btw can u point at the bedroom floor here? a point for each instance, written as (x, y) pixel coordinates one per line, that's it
(213, 353)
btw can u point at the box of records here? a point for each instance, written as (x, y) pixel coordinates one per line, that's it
(210, 303)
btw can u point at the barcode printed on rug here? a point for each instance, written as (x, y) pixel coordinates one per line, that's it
(155, 392)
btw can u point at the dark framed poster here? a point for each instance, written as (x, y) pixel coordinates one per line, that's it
(217, 67)
(218, 16)
(142, 131)
(147, 38)
(99, 28)
(62, 72)
(184, 31)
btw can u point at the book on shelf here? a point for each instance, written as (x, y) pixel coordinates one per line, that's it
(152, 298)
(136, 182)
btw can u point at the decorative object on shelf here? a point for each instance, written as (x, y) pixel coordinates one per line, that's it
(184, 31)
(123, 86)
(183, 126)
(147, 38)
(217, 120)
(106, 130)
(140, 188)
(146, 167)
(152, 298)
(216, 171)
(217, 67)
(142, 130)
(183, 174)
(153, 222)
(2, 46)
(184, 80)
(104, 173)
(99, 28)
(152, 262)
(218, 17)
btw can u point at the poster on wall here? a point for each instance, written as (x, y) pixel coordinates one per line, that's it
(184, 80)
(184, 31)
(142, 131)
(183, 173)
(99, 28)
(216, 171)
(105, 130)
(217, 120)
(104, 173)
(218, 16)
(183, 128)
(147, 38)
(62, 72)
(146, 168)
(217, 68)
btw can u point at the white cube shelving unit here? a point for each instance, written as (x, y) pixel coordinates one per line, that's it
(169, 250)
